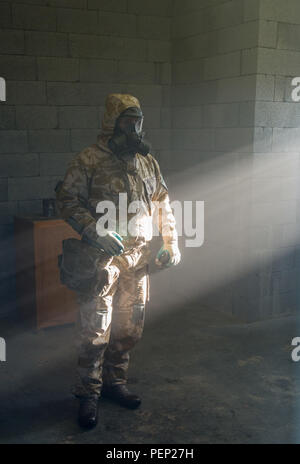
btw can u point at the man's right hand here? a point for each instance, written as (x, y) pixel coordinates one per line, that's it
(111, 243)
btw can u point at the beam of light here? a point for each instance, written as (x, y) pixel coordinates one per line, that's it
(252, 231)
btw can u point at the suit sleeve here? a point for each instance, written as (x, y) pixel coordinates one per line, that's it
(72, 196)
(163, 215)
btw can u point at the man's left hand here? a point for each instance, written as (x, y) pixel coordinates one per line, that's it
(172, 253)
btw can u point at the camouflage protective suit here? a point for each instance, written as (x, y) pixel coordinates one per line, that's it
(111, 323)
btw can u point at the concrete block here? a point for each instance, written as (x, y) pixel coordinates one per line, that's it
(254, 283)
(288, 36)
(160, 138)
(52, 164)
(200, 139)
(247, 114)
(286, 140)
(29, 207)
(158, 50)
(78, 117)
(281, 84)
(32, 188)
(273, 237)
(265, 86)
(188, 118)
(275, 189)
(195, 47)
(13, 141)
(79, 21)
(45, 141)
(7, 212)
(18, 67)
(81, 4)
(58, 69)
(164, 72)
(36, 117)
(236, 89)
(271, 165)
(186, 25)
(89, 46)
(282, 62)
(165, 118)
(223, 15)
(284, 281)
(34, 17)
(251, 10)
(238, 37)
(193, 5)
(279, 212)
(108, 5)
(7, 117)
(11, 42)
(166, 96)
(195, 95)
(234, 139)
(268, 31)
(98, 70)
(249, 61)
(152, 27)
(188, 72)
(222, 66)
(148, 95)
(262, 139)
(5, 15)
(135, 72)
(276, 10)
(82, 138)
(26, 93)
(153, 8)
(120, 25)
(3, 190)
(88, 94)
(277, 114)
(221, 115)
(19, 165)
(46, 44)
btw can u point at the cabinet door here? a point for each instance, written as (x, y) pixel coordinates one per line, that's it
(55, 303)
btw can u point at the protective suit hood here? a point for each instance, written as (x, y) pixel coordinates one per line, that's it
(115, 104)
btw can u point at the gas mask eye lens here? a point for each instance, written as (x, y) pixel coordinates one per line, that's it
(130, 124)
(139, 125)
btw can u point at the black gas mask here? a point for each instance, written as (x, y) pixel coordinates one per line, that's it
(128, 137)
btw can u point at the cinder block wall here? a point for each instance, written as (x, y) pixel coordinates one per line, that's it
(235, 138)
(275, 117)
(60, 58)
(211, 84)
(214, 78)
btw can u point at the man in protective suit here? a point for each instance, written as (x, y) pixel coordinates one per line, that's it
(111, 318)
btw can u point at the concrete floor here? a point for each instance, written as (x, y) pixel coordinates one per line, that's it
(203, 377)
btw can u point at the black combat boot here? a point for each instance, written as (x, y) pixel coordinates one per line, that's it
(120, 394)
(88, 412)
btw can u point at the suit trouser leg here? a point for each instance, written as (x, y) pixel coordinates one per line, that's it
(128, 318)
(93, 334)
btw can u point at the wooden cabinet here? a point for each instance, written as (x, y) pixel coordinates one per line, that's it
(41, 298)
